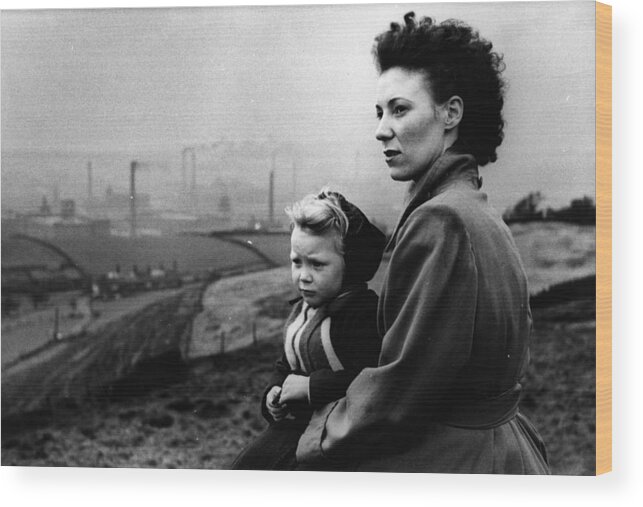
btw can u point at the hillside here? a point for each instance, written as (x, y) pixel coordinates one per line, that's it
(203, 418)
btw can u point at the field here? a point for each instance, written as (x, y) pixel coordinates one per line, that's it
(554, 252)
(274, 246)
(17, 252)
(101, 254)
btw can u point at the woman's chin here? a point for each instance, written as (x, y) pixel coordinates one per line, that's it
(398, 175)
(406, 173)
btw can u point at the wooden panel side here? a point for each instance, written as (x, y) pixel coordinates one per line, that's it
(603, 238)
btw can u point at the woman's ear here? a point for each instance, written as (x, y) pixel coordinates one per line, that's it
(453, 109)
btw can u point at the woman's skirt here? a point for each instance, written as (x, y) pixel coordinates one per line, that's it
(514, 447)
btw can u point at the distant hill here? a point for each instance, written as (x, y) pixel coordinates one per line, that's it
(529, 209)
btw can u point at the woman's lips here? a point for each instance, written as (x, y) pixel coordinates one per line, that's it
(391, 154)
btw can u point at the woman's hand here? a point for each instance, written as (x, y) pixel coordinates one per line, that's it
(294, 388)
(276, 409)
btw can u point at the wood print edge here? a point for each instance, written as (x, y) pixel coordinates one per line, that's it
(603, 238)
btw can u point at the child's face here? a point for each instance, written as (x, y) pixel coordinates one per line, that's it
(317, 267)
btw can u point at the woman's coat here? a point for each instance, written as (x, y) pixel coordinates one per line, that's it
(455, 320)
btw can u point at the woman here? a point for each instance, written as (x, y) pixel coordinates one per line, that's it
(454, 309)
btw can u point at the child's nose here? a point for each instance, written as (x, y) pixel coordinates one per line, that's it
(305, 276)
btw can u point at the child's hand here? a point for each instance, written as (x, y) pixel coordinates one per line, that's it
(276, 409)
(295, 388)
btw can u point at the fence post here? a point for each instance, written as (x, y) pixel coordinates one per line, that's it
(254, 332)
(56, 322)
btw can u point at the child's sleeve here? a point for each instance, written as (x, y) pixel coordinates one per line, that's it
(279, 374)
(357, 344)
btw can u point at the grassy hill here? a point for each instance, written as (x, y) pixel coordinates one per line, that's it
(204, 417)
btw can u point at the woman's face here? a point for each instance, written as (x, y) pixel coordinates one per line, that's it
(411, 125)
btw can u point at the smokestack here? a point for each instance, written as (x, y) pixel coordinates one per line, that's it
(294, 178)
(193, 156)
(184, 183)
(271, 199)
(56, 195)
(193, 193)
(90, 190)
(271, 191)
(132, 198)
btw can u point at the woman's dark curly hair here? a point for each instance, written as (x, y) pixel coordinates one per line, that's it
(456, 61)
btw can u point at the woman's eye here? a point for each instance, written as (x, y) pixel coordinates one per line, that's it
(318, 264)
(399, 110)
(295, 262)
(378, 113)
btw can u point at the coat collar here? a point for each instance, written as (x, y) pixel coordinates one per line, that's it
(339, 302)
(452, 168)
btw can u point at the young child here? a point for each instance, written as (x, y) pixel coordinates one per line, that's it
(331, 333)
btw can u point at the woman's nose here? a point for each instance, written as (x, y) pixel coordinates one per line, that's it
(383, 131)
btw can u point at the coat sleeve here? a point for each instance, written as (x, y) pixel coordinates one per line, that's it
(428, 314)
(279, 374)
(327, 385)
(356, 341)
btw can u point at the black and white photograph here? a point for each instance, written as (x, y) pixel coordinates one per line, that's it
(348, 238)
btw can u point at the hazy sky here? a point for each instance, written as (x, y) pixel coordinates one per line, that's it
(159, 79)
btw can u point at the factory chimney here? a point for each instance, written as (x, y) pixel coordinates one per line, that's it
(56, 195)
(193, 159)
(188, 160)
(271, 192)
(183, 183)
(90, 190)
(294, 177)
(132, 198)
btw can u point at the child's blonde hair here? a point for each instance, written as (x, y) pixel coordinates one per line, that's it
(320, 213)
(357, 240)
